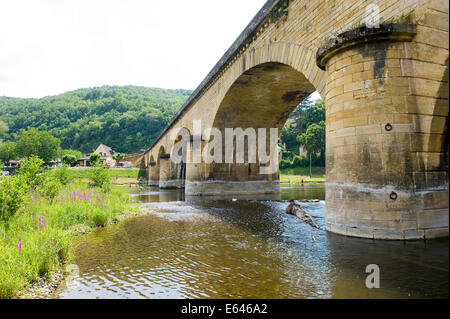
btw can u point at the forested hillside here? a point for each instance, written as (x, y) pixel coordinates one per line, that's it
(126, 118)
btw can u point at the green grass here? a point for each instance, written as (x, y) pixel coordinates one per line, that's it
(122, 172)
(296, 175)
(37, 239)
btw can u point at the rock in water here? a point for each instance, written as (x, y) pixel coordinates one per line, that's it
(295, 209)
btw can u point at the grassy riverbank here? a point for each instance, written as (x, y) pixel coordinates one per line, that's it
(113, 173)
(36, 241)
(296, 175)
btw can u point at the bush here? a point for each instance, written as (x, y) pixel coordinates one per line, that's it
(31, 169)
(69, 160)
(62, 174)
(50, 187)
(100, 178)
(13, 191)
(300, 161)
(288, 156)
(99, 218)
(94, 159)
(285, 164)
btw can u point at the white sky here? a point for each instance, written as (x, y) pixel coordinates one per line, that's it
(49, 47)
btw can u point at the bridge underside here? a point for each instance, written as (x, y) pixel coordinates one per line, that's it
(387, 153)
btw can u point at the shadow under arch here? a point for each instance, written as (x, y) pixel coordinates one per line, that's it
(262, 97)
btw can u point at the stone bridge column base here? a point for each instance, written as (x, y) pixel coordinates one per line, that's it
(171, 184)
(217, 188)
(153, 183)
(361, 210)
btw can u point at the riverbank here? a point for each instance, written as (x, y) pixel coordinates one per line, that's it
(83, 172)
(299, 174)
(36, 242)
(49, 287)
(129, 177)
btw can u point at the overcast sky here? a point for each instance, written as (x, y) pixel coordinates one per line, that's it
(49, 47)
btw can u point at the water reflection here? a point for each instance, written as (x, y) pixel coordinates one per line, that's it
(221, 248)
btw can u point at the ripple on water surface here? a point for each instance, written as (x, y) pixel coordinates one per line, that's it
(247, 249)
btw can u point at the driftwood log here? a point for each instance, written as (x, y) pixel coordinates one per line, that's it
(296, 210)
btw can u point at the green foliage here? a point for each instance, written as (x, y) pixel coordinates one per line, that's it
(313, 114)
(94, 159)
(294, 162)
(288, 155)
(314, 138)
(125, 173)
(118, 157)
(62, 174)
(74, 153)
(50, 187)
(289, 137)
(3, 129)
(300, 161)
(125, 118)
(309, 130)
(31, 169)
(279, 13)
(285, 164)
(70, 160)
(40, 143)
(37, 241)
(13, 192)
(99, 177)
(8, 151)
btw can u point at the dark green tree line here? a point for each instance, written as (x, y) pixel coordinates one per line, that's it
(125, 118)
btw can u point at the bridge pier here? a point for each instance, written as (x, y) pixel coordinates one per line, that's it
(377, 184)
(153, 174)
(230, 179)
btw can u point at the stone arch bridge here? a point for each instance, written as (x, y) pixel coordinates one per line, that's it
(385, 88)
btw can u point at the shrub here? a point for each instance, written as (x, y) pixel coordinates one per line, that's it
(99, 217)
(50, 187)
(99, 177)
(94, 159)
(13, 191)
(31, 169)
(69, 159)
(285, 164)
(288, 156)
(62, 174)
(300, 161)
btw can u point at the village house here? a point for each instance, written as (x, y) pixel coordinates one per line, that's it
(106, 158)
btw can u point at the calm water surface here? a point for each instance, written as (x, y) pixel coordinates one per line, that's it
(192, 248)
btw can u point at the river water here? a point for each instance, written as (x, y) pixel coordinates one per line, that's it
(224, 248)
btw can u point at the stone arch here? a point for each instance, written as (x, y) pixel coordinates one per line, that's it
(261, 97)
(299, 57)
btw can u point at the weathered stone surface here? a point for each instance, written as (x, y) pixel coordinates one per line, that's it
(386, 94)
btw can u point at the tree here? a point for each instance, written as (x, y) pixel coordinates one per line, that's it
(34, 142)
(118, 157)
(74, 153)
(314, 139)
(69, 160)
(126, 118)
(288, 136)
(94, 159)
(8, 151)
(31, 169)
(314, 114)
(3, 129)
(297, 113)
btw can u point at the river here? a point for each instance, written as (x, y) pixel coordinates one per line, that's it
(225, 248)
